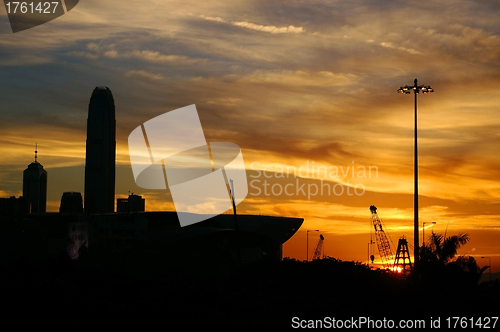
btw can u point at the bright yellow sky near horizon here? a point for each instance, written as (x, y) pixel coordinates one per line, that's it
(296, 85)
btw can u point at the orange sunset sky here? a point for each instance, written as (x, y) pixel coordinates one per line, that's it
(298, 85)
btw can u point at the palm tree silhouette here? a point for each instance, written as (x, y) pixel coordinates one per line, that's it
(438, 260)
(442, 250)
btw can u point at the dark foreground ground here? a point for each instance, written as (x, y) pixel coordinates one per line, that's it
(259, 297)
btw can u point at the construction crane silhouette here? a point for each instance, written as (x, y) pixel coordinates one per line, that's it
(383, 244)
(318, 253)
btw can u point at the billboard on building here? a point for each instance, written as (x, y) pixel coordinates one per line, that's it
(78, 234)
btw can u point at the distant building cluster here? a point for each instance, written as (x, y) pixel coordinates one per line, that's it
(12, 207)
(134, 203)
(77, 213)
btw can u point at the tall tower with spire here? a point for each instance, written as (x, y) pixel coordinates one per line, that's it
(99, 195)
(35, 185)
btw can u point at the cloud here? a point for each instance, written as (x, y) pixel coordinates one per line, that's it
(215, 19)
(24, 60)
(269, 28)
(143, 74)
(155, 56)
(93, 46)
(146, 55)
(83, 54)
(301, 78)
(401, 48)
(258, 27)
(111, 54)
(461, 41)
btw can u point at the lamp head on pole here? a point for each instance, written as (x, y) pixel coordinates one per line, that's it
(415, 88)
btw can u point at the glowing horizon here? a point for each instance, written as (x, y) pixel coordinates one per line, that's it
(290, 84)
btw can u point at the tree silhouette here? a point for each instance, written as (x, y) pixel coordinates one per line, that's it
(469, 265)
(441, 250)
(439, 262)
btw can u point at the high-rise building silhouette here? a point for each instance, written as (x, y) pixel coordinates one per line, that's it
(99, 195)
(35, 185)
(71, 202)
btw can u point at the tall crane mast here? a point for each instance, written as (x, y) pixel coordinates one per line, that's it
(384, 247)
(319, 248)
(402, 262)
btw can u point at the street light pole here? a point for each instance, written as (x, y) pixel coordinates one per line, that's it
(307, 242)
(423, 231)
(415, 195)
(368, 254)
(489, 262)
(406, 90)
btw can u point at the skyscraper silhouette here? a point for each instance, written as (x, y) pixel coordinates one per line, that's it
(100, 154)
(35, 185)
